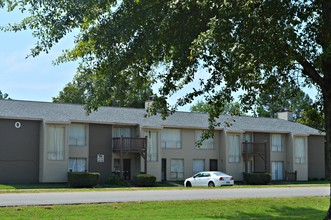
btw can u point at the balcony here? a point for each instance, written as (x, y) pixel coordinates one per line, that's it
(252, 150)
(129, 144)
(125, 145)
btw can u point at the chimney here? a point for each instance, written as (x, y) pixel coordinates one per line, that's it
(285, 115)
(149, 102)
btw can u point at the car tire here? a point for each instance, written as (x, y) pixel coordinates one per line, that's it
(211, 184)
(188, 184)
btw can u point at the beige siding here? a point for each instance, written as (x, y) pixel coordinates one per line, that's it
(54, 170)
(189, 152)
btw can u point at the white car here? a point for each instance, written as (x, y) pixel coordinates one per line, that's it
(210, 179)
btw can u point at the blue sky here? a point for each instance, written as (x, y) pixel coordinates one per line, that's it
(37, 79)
(30, 78)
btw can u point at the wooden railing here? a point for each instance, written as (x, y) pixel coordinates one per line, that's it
(253, 148)
(129, 144)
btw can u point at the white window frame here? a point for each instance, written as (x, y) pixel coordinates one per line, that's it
(56, 142)
(78, 135)
(77, 164)
(207, 144)
(177, 169)
(234, 148)
(277, 142)
(171, 138)
(300, 150)
(152, 146)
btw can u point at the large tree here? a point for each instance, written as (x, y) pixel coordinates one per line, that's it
(232, 108)
(241, 44)
(130, 93)
(285, 97)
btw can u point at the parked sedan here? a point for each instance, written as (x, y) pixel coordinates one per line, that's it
(209, 178)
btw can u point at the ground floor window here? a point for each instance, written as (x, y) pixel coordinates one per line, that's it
(198, 166)
(77, 165)
(177, 168)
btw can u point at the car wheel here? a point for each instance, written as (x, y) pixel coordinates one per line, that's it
(188, 184)
(211, 184)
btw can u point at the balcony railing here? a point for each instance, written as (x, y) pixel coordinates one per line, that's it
(253, 148)
(130, 144)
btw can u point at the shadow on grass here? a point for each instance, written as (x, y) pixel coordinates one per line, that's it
(284, 212)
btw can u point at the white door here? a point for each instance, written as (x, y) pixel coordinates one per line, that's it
(277, 170)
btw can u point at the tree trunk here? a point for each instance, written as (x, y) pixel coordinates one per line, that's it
(327, 115)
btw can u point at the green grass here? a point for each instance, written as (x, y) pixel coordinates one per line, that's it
(266, 208)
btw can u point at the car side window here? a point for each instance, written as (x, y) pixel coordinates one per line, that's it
(206, 175)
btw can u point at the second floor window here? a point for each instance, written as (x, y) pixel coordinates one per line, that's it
(152, 149)
(206, 144)
(56, 145)
(234, 148)
(78, 135)
(277, 143)
(171, 138)
(122, 132)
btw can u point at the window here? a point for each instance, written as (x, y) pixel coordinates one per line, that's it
(277, 170)
(299, 150)
(206, 144)
(277, 142)
(234, 148)
(122, 132)
(77, 165)
(177, 169)
(152, 149)
(198, 166)
(78, 135)
(170, 138)
(56, 146)
(248, 137)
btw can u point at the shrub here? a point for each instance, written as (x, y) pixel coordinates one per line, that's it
(83, 179)
(145, 180)
(116, 180)
(257, 178)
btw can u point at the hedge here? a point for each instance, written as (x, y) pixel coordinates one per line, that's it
(83, 179)
(144, 180)
(115, 179)
(257, 178)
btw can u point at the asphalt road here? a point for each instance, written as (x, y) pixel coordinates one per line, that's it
(51, 198)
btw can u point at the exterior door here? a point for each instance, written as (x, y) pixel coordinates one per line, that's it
(213, 165)
(277, 170)
(127, 169)
(164, 169)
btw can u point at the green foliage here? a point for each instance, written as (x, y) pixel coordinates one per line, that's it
(3, 95)
(313, 117)
(116, 180)
(257, 178)
(71, 93)
(232, 108)
(144, 180)
(83, 179)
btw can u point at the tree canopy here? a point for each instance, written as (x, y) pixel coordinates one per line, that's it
(4, 95)
(248, 45)
(131, 93)
(233, 108)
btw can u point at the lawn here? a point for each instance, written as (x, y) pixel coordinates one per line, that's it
(266, 208)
